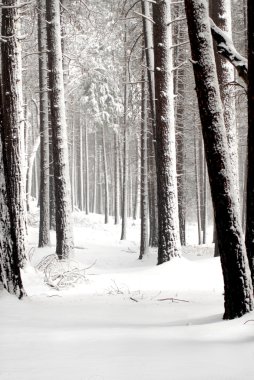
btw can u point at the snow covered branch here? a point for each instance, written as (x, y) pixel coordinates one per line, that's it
(226, 48)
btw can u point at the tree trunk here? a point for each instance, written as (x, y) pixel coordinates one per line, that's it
(169, 241)
(144, 238)
(81, 171)
(87, 198)
(105, 170)
(13, 129)
(64, 243)
(44, 236)
(116, 178)
(10, 275)
(30, 165)
(197, 190)
(95, 173)
(238, 291)
(125, 148)
(149, 52)
(249, 237)
(221, 15)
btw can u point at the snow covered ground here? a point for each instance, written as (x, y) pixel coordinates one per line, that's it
(128, 319)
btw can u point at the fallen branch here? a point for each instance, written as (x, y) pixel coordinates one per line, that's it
(250, 320)
(172, 299)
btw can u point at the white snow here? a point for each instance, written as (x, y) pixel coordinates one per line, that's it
(115, 326)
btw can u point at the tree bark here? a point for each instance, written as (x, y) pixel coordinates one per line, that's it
(144, 238)
(64, 243)
(238, 291)
(87, 198)
(169, 241)
(116, 178)
(13, 128)
(125, 148)
(249, 237)
(44, 237)
(105, 171)
(10, 275)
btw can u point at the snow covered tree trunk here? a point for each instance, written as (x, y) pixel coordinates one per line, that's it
(130, 191)
(64, 243)
(249, 237)
(149, 52)
(116, 179)
(144, 238)
(9, 261)
(13, 128)
(87, 198)
(205, 206)
(238, 291)
(30, 165)
(179, 84)
(125, 147)
(152, 190)
(95, 173)
(197, 190)
(169, 241)
(52, 214)
(73, 187)
(105, 171)
(44, 237)
(81, 171)
(137, 184)
(221, 15)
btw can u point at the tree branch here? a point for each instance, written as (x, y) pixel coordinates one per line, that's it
(226, 48)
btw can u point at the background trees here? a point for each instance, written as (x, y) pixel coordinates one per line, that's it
(113, 94)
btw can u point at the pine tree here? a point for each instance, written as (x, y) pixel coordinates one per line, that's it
(238, 291)
(13, 128)
(64, 243)
(44, 127)
(169, 241)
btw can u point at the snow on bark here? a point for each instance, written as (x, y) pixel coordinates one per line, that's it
(221, 14)
(13, 128)
(238, 291)
(144, 236)
(168, 239)
(9, 263)
(149, 51)
(64, 241)
(226, 48)
(249, 237)
(44, 227)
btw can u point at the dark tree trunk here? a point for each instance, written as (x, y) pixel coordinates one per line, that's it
(169, 241)
(116, 178)
(144, 239)
(249, 238)
(197, 181)
(95, 173)
(238, 291)
(13, 129)
(44, 135)
(10, 275)
(64, 243)
(87, 197)
(125, 148)
(105, 171)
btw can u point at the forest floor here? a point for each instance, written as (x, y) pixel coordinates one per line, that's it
(128, 319)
